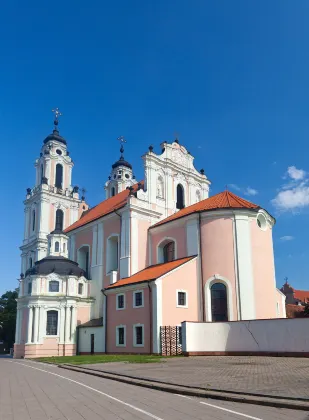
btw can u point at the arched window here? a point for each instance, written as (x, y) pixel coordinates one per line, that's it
(52, 323)
(113, 191)
(160, 187)
(169, 252)
(83, 259)
(29, 287)
(219, 302)
(33, 220)
(42, 171)
(59, 175)
(59, 220)
(57, 246)
(30, 262)
(112, 254)
(180, 197)
(80, 288)
(53, 286)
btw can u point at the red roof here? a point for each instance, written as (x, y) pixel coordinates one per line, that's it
(102, 209)
(302, 295)
(223, 200)
(151, 273)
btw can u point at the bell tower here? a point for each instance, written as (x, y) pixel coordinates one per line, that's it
(121, 175)
(53, 203)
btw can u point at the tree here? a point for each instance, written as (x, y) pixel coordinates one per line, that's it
(8, 309)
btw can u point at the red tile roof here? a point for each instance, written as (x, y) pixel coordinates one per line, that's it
(302, 295)
(151, 273)
(102, 209)
(223, 200)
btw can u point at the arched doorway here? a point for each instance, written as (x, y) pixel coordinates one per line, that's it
(219, 310)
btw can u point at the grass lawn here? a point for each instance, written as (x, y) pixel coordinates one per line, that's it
(104, 358)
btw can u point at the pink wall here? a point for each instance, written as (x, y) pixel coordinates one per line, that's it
(84, 237)
(218, 251)
(52, 220)
(177, 233)
(83, 314)
(263, 272)
(185, 278)
(128, 317)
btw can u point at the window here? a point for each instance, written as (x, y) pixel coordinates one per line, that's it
(138, 299)
(169, 252)
(53, 286)
(57, 246)
(182, 298)
(52, 323)
(33, 220)
(219, 302)
(121, 336)
(59, 220)
(80, 288)
(83, 259)
(42, 171)
(138, 335)
(59, 175)
(120, 301)
(29, 287)
(180, 197)
(160, 187)
(59, 152)
(261, 221)
(112, 254)
(30, 262)
(113, 191)
(63, 247)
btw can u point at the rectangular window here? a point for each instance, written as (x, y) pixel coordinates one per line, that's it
(121, 336)
(29, 287)
(52, 323)
(54, 286)
(80, 288)
(120, 304)
(138, 299)
(182, 299)
(138, 335)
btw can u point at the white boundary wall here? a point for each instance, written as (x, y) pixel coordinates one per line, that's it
(84, 345)
(267, 336)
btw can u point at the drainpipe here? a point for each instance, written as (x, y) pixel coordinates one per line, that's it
(201, 266)
(150, 319)
(105, 318)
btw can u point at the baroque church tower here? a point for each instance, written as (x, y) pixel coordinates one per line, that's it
(53, 203)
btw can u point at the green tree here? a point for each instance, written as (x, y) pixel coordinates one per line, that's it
(8, 309)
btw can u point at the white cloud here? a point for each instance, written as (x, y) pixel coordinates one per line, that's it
(245, 191)
(294, 195)
(296, 174)
(287, 238)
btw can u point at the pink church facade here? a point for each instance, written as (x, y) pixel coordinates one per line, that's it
(153, 254)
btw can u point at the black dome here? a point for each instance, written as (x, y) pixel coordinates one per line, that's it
(122, 162)
(58, 265)
(55, 136)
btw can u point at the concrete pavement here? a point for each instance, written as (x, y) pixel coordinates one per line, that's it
(30, 390)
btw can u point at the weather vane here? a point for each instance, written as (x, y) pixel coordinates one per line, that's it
(57, 114)
(122, 140)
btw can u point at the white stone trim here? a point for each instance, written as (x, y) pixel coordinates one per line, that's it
(186, 299)
(143, 300)
(124, 302)
(156, 314)
(108, 252)
(124, 335)
(134, 335)
(217, 278)
(160, 256)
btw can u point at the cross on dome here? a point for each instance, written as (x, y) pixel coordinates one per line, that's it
(57, 114)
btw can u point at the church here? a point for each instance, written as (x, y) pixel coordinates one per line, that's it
(156, 252)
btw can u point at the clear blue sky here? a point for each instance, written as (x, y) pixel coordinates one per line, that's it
(231, 77)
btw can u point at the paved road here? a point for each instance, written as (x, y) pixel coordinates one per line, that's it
(30, 390)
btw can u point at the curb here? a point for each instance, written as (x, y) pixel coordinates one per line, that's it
(269, 401)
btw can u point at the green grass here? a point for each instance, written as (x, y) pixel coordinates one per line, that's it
(104, 358)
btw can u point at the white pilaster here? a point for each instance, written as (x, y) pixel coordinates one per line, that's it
(72, 248)
(26, 227)
(42, 325)
(44, 216)
(68, 324)
(156, 314)
(244, 264)
(36, 324)
(94, 244)
(62, 324)
(73, 324)
(100, 244)
(125, 245)
(17, 333)
(30, 325)
(134, 243)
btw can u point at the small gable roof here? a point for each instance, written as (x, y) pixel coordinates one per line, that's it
(223, 200)
(151, 273)
(105, 207)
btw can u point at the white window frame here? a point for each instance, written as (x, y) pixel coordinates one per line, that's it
(60, 287)
(83, 288)
(186, 293)
(124, 334)
(134, 335)
(58, 322)
(124, 302)
(160, 246)
(143, 301)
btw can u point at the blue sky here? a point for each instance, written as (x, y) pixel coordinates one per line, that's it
(231, 77)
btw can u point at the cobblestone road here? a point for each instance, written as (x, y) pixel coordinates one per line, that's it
(30, 390)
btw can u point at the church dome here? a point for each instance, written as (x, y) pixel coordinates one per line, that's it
(56, 137)
(59, 265)
(122, 162)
